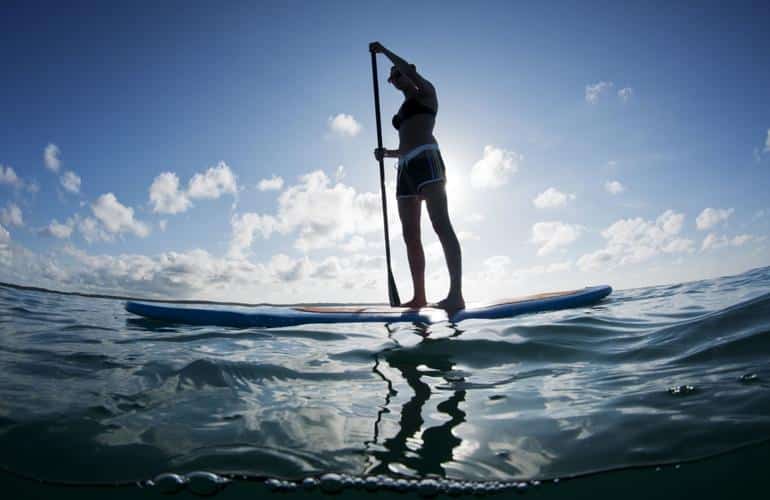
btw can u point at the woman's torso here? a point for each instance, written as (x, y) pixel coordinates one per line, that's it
(417, 129)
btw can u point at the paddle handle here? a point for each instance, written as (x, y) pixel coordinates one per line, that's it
(392, 290)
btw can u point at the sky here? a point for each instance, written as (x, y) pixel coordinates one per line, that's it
(224, 150)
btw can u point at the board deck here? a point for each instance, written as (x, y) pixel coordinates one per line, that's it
(270, 316)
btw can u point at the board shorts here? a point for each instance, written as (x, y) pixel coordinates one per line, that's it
(420, 166)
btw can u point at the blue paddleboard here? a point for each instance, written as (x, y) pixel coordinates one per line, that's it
(269, 316)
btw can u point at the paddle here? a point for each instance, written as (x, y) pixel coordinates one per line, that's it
(392, 291)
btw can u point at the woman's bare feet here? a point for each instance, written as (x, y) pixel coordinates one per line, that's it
(451, 304)
(415, 303)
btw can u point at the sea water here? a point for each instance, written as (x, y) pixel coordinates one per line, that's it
(666, 384)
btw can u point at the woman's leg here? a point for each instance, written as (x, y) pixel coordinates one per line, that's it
(409, 211)
(435, 199)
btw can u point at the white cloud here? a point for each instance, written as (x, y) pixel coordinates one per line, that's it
(553, 235)
(91, 231)
(631, 241)
(767, 143)
(344, 125)
(340, 173)
(712, 241)
(51, 157)
(594, 91)
(614, 187)
(213, 183)
(321, 214)
(5, 236)
(552, 198)
(59, 230)
(70, 181)
(116, 217)
(495, 168)
(474, 217)
(11, 215)
(8, 176)
(165, 196)
(275, 183)
(162, 224)
(625, 93)
(710, 217)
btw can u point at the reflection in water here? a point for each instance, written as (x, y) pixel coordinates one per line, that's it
(415, 450)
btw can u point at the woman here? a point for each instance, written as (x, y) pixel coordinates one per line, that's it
(421, 177)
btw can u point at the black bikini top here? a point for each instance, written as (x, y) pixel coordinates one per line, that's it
(409, 108)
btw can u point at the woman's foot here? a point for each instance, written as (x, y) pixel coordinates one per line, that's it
(415, 303)
(451, 304)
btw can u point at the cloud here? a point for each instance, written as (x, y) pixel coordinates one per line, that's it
(553, 235)
(165, 196)
(594, 91)
(11, 215)
(59, 230)
(162, 224)
(8, 176)
(631, 241)
(275, 183)
(712, 241)
(552, 198)
(70, 181)
(500, 267)
(213, 183)
(710, 217)
(91, 231)
(5, 236)
(614, 187)
(625, 93)
(495, 168)
(116, 217)
(344, 125)
(320, 213)
(51, 157)
(767, 143)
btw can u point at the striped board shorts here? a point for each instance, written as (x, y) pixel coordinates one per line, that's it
(420, 166)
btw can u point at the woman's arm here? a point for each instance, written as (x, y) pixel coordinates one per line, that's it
(404, 68)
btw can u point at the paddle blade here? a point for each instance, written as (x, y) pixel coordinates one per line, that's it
(395, 301)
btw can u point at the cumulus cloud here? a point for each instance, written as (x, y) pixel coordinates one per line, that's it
(767, 143)
(213, 183)
(712, 241)
(594, 91)
(70, 181)
(710, 217)
(500, 267)
(552, 198)
(5, 236)
(91, 231)
(165, 196)
(8, 176)
(51, 157)
(59, 230)
(494, 168)
(274, 183)
(344, 125)
(11, 215)
(614, 187)
(631, 241)
(625, 93)
(553, 235)
(116, 217)
(320, 213)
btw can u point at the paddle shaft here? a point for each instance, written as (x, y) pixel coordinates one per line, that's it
(392, 290)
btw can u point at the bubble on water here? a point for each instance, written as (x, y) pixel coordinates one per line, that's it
(205, 483)
(273, 484)
(331, 483)
(309, 483)
(749, 377)
(372, 483)
(428, 487)
(169, 483)
(681, 390)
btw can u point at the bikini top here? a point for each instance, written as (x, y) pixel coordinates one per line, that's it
(409, 108)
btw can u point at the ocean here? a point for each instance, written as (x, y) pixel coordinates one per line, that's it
(660, 391)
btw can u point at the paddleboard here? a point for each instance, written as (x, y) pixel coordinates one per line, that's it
(269, 316)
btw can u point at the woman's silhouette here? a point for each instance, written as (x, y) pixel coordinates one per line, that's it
(421, 176)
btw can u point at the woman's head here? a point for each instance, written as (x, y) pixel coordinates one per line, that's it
(398, 80)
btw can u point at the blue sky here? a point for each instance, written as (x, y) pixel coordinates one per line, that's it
(585, 143)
